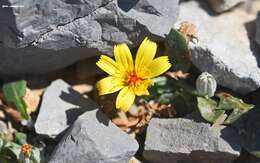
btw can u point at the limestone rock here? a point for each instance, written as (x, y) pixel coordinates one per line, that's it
(60, 107)
(94, 138)
(43, 36)
(186, 141)
(224, 48)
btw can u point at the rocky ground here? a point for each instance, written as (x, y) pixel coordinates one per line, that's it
(53, 46)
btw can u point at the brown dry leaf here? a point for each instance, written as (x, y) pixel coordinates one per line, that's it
(14, 114)
(83, 88)
(132, 121)
(2, 115)
(11, 112)
(32, 101)
(141, 116)
(134, 160)
(155, 109)
(178, 75)
(165, 111)
(133, 111)
(119, 121)
(137, 118)
(189, 31)
(38, 92)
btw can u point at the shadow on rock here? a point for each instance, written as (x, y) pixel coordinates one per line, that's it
(248, 127)
(251, 31)
(84, 105)
(229, 134)
(8, 27)
(127, 5)
(204, 5)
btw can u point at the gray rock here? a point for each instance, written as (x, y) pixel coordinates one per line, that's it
(257, 36)
(43, 36)
(224, 49)
(248, 127)
(224, 5)
(195, 116)
(60, 107)
(94, 138)
(185, 141)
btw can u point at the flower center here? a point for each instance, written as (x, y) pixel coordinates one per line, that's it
(133, 79)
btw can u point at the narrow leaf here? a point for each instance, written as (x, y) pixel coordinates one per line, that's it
(13, 93)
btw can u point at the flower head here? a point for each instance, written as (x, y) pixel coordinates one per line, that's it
(131, 78)
(26, 150)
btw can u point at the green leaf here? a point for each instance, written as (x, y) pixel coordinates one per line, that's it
(228, 102)
(177, 42)
(238, 106)
(179, 49)
(4, 160)
(207, 109)
(211, 110)
(20, 138)
(165, 98)
(14, 93)
(14, 90)
(160, 81)
(36, 155)
(14, 148)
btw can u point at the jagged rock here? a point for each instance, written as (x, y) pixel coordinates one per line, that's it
(94, 138)
(60, 107)
(224, 5)
(42, 36)
(185, 141)
(248, 126)
(257, 37)
(224, 48)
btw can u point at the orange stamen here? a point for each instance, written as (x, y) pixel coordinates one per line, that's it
(133, 79)
(27, 150)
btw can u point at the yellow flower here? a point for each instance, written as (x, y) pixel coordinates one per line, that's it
(129, 77)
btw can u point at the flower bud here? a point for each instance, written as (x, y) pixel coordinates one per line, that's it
(206, 85)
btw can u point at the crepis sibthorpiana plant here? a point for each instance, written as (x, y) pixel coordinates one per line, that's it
(223, 108)
(216, 111)
(18, 150)
(131, 78)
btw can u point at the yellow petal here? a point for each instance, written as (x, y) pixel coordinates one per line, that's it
(107, 64)
(109, 85)
(123, 58)
(158, 67)
(142, 92)
(141, 88)
(145, 55)
(125, 99)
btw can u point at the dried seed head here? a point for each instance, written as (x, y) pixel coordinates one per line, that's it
(189, 31)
